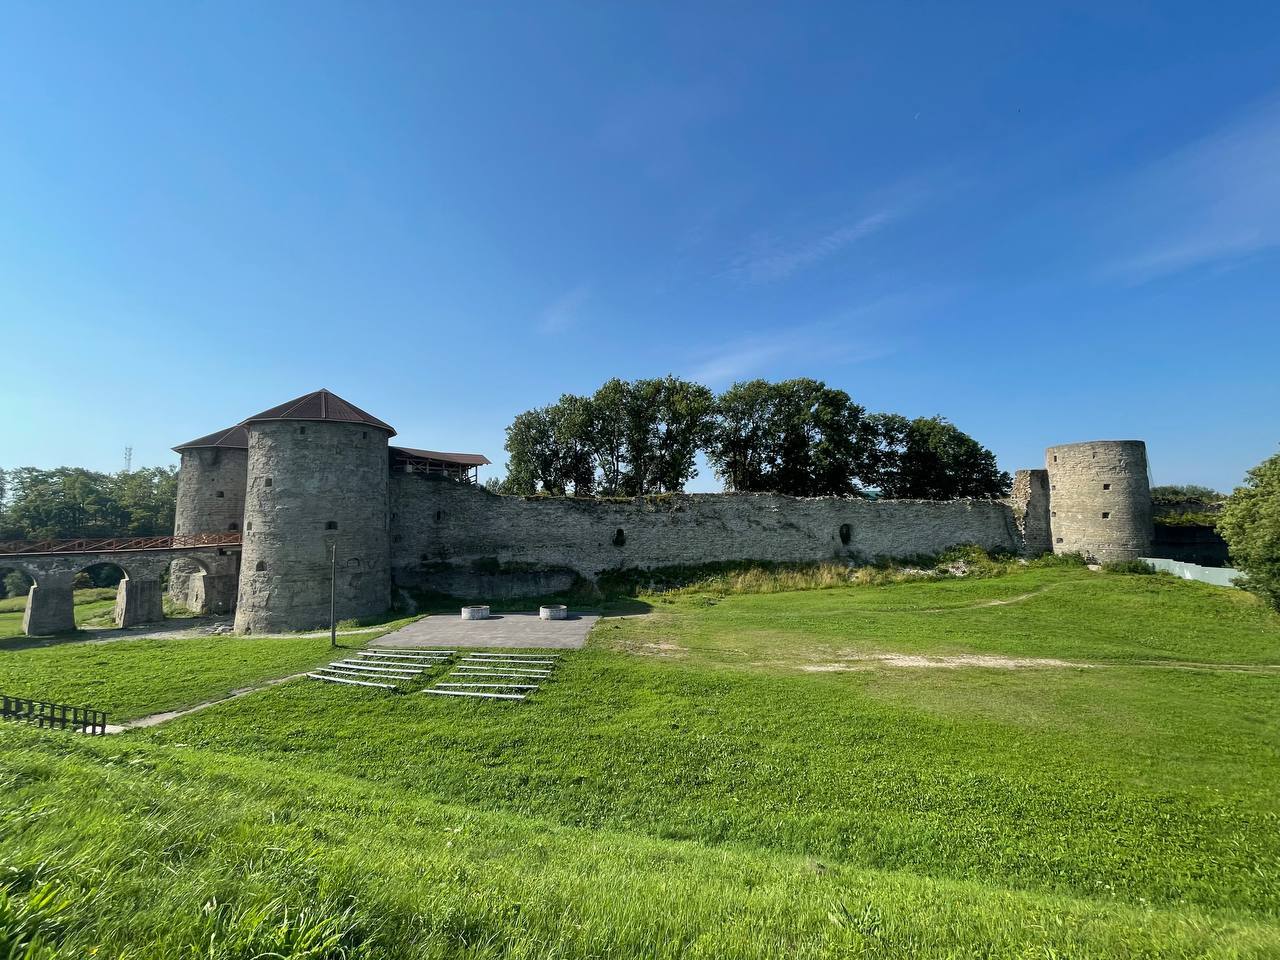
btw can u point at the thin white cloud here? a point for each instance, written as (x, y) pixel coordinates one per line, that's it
(857, 335)
(563, 311)
(767, 261)
(1213, 202)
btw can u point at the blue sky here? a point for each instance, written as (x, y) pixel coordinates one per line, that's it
(1046, 224)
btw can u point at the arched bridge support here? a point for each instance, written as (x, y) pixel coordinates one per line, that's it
(50, 604)
(140, 596)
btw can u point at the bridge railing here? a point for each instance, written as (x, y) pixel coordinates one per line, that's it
(116, 544)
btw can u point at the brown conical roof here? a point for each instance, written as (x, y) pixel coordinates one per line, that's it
(321, 405)
(232, 438)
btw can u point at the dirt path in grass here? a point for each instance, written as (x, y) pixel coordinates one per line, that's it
(155, 719)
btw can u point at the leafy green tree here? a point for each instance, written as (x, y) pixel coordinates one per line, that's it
(683, 417)
(573, 462)
(929, 458)
(15, 584)
(1177, 493)
(532, 454)
(1250, 523)
(74, 502)
(740, 441)
(821, 442)
(608, 434)
(798, 437)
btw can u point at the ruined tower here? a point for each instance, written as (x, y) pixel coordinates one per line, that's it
(211, 485)
(317, 481)
(1100, 499)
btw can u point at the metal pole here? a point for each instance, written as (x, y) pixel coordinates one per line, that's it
(333, 580)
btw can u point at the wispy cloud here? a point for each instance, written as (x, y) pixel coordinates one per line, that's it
(559, 315)
(1213, 202)
(767, 259)
(857, 334)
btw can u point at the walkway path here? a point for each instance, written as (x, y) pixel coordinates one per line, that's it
(500, 630)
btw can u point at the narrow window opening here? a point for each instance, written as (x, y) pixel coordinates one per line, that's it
(1106, 486)
(233, 526)
(302, 429)
(1053, 513)
(1106, 515)
(439, 515)
(846, 533)
(220, 494)
(1058, 540)
(395, 516)
(331, 525)
(1055, 458)
(364, 434)
(266, 482)
(249, 525)
(396, 538)
(619, 538)
(261, 566)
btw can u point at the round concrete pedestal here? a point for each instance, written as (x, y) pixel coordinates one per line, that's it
(475, 613)
(555, 611)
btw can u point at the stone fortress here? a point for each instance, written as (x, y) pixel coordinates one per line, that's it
(317, 490)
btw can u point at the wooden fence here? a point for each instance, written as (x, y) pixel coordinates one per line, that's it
(56, 716)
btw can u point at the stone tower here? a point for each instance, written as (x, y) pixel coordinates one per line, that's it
(317, 481)
(211, 485)
(1100, 499)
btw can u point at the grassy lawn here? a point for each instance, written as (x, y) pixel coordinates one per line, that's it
(729, 775)
(89, 605)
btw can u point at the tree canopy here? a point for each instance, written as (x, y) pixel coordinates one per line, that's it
(75, 502)
(1250, 523)
(626, 439)
(798, 437)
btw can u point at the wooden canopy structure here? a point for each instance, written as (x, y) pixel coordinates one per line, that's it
(463, 467)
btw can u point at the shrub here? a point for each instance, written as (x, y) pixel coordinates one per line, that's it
(1060, 560)
(1129, 566)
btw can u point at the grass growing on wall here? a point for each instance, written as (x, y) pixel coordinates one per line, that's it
(733, 774)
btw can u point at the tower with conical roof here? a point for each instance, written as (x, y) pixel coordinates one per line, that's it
(316, 494)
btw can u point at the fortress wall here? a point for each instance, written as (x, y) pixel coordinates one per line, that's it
(440, 529)
(1030, 503)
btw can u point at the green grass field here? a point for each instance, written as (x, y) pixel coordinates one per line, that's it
(728, 775)
(90, 604)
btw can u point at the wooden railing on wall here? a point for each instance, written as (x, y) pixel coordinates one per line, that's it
(117, 544)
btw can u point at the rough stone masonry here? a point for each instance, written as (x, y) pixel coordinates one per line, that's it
(325, 494)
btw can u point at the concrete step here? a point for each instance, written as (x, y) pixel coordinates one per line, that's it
(347, 672)
(468, 693)
(358, 683)
(365, 665)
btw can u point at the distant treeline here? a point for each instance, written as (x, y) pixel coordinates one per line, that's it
(797, 437)
(74, 502)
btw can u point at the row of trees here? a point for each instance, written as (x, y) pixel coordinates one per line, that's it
(798, 437)
(74, 502)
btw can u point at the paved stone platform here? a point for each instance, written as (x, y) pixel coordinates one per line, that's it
(500, 630)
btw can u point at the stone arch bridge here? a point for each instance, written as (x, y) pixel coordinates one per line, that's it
(53, 564)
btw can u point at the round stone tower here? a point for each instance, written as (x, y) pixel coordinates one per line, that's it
(1100, 499)
(317, 493)
(211, 484)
